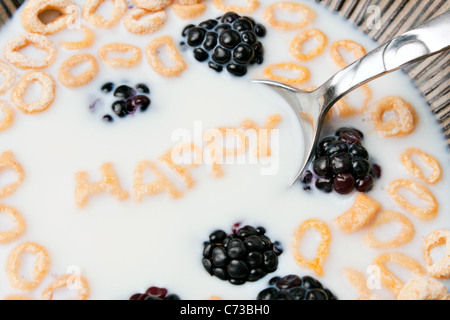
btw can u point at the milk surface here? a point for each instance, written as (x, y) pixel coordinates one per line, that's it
(122, 248)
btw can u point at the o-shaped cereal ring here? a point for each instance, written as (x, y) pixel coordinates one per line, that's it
(47, 94)
(252, 5)
(403, 125)
(68, 79)
(388, 279)
(89, 38)
(152, 5)
(423, 213)
(66, 280)
(303, 73)
(423, 288)
(9, 75)
(296, 49)
(308, 15)
(91, 6)
(189, 11)
(344, 109)
(315, 264)
(120, 62)
(439, 269)
(33, 8)
(41, 266)
(18, 230)
(415, 170)
(19, 60)
(7, 114)
(405, 235)
(156, 63)
(357, 50)
(135, 22)
(7, 160)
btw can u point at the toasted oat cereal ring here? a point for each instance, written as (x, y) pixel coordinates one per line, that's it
(41, 266)
(384, 217)
(423, 288)
(12, 54)
(140, 21)
(47, 95)
(17, 297)
(110, 182)
(122, 48)
(91, 6)
(189, 11)
(415, 170)
(155, 61)
(66, 281)
(315, 264)
(302, 71)
(18, 230)
(296, 49)
(89, 38)
(356, 49)
(359, 215)
(252, 5)
(439, 269)
(9, 77)
(402, 125)
(7, 160)
(422, 192)
(358, 280)
(7, 116)
(188, 2)
(33, 8)
(344, 109)
(152, 5)
(308, 15)
(66, 77)
(390, 280)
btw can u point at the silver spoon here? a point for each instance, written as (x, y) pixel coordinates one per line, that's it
(311, 108)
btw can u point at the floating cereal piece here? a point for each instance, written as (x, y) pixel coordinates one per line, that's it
(7, 160)
(344, 109)
(84, 189)
(439, 269)
(17, 297)
(9, 76)
(91, 6)
(263, 133)
(358, 280)
(12, 54)
(7, 114)
(152, 5)
(296, 49)
(70, 281)
(252, 5)
(315, 264)
(189, 11)
(422, 192)
(160, 185)
(356, 49)
(308, 15)
(359, 215)
(136, 23)
(303, 73)
(188, 2)
(47, 95)
(404, 122)
(405, 235)
(33, 8)
(41, 266)
(89, 38)
(66, 77)
(415, 170)
(388, 279)
(120, 62)
(157, 64)
(423, 288)
(19, 229)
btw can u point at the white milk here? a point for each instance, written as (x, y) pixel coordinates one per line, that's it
(125, 247)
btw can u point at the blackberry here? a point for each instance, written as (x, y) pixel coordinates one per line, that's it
(293, 287)
(155, 293)
(107, 87)
(228, 42)
(246, 254)
(341, 163)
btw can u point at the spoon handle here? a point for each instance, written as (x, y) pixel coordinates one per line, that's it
(424, 41)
